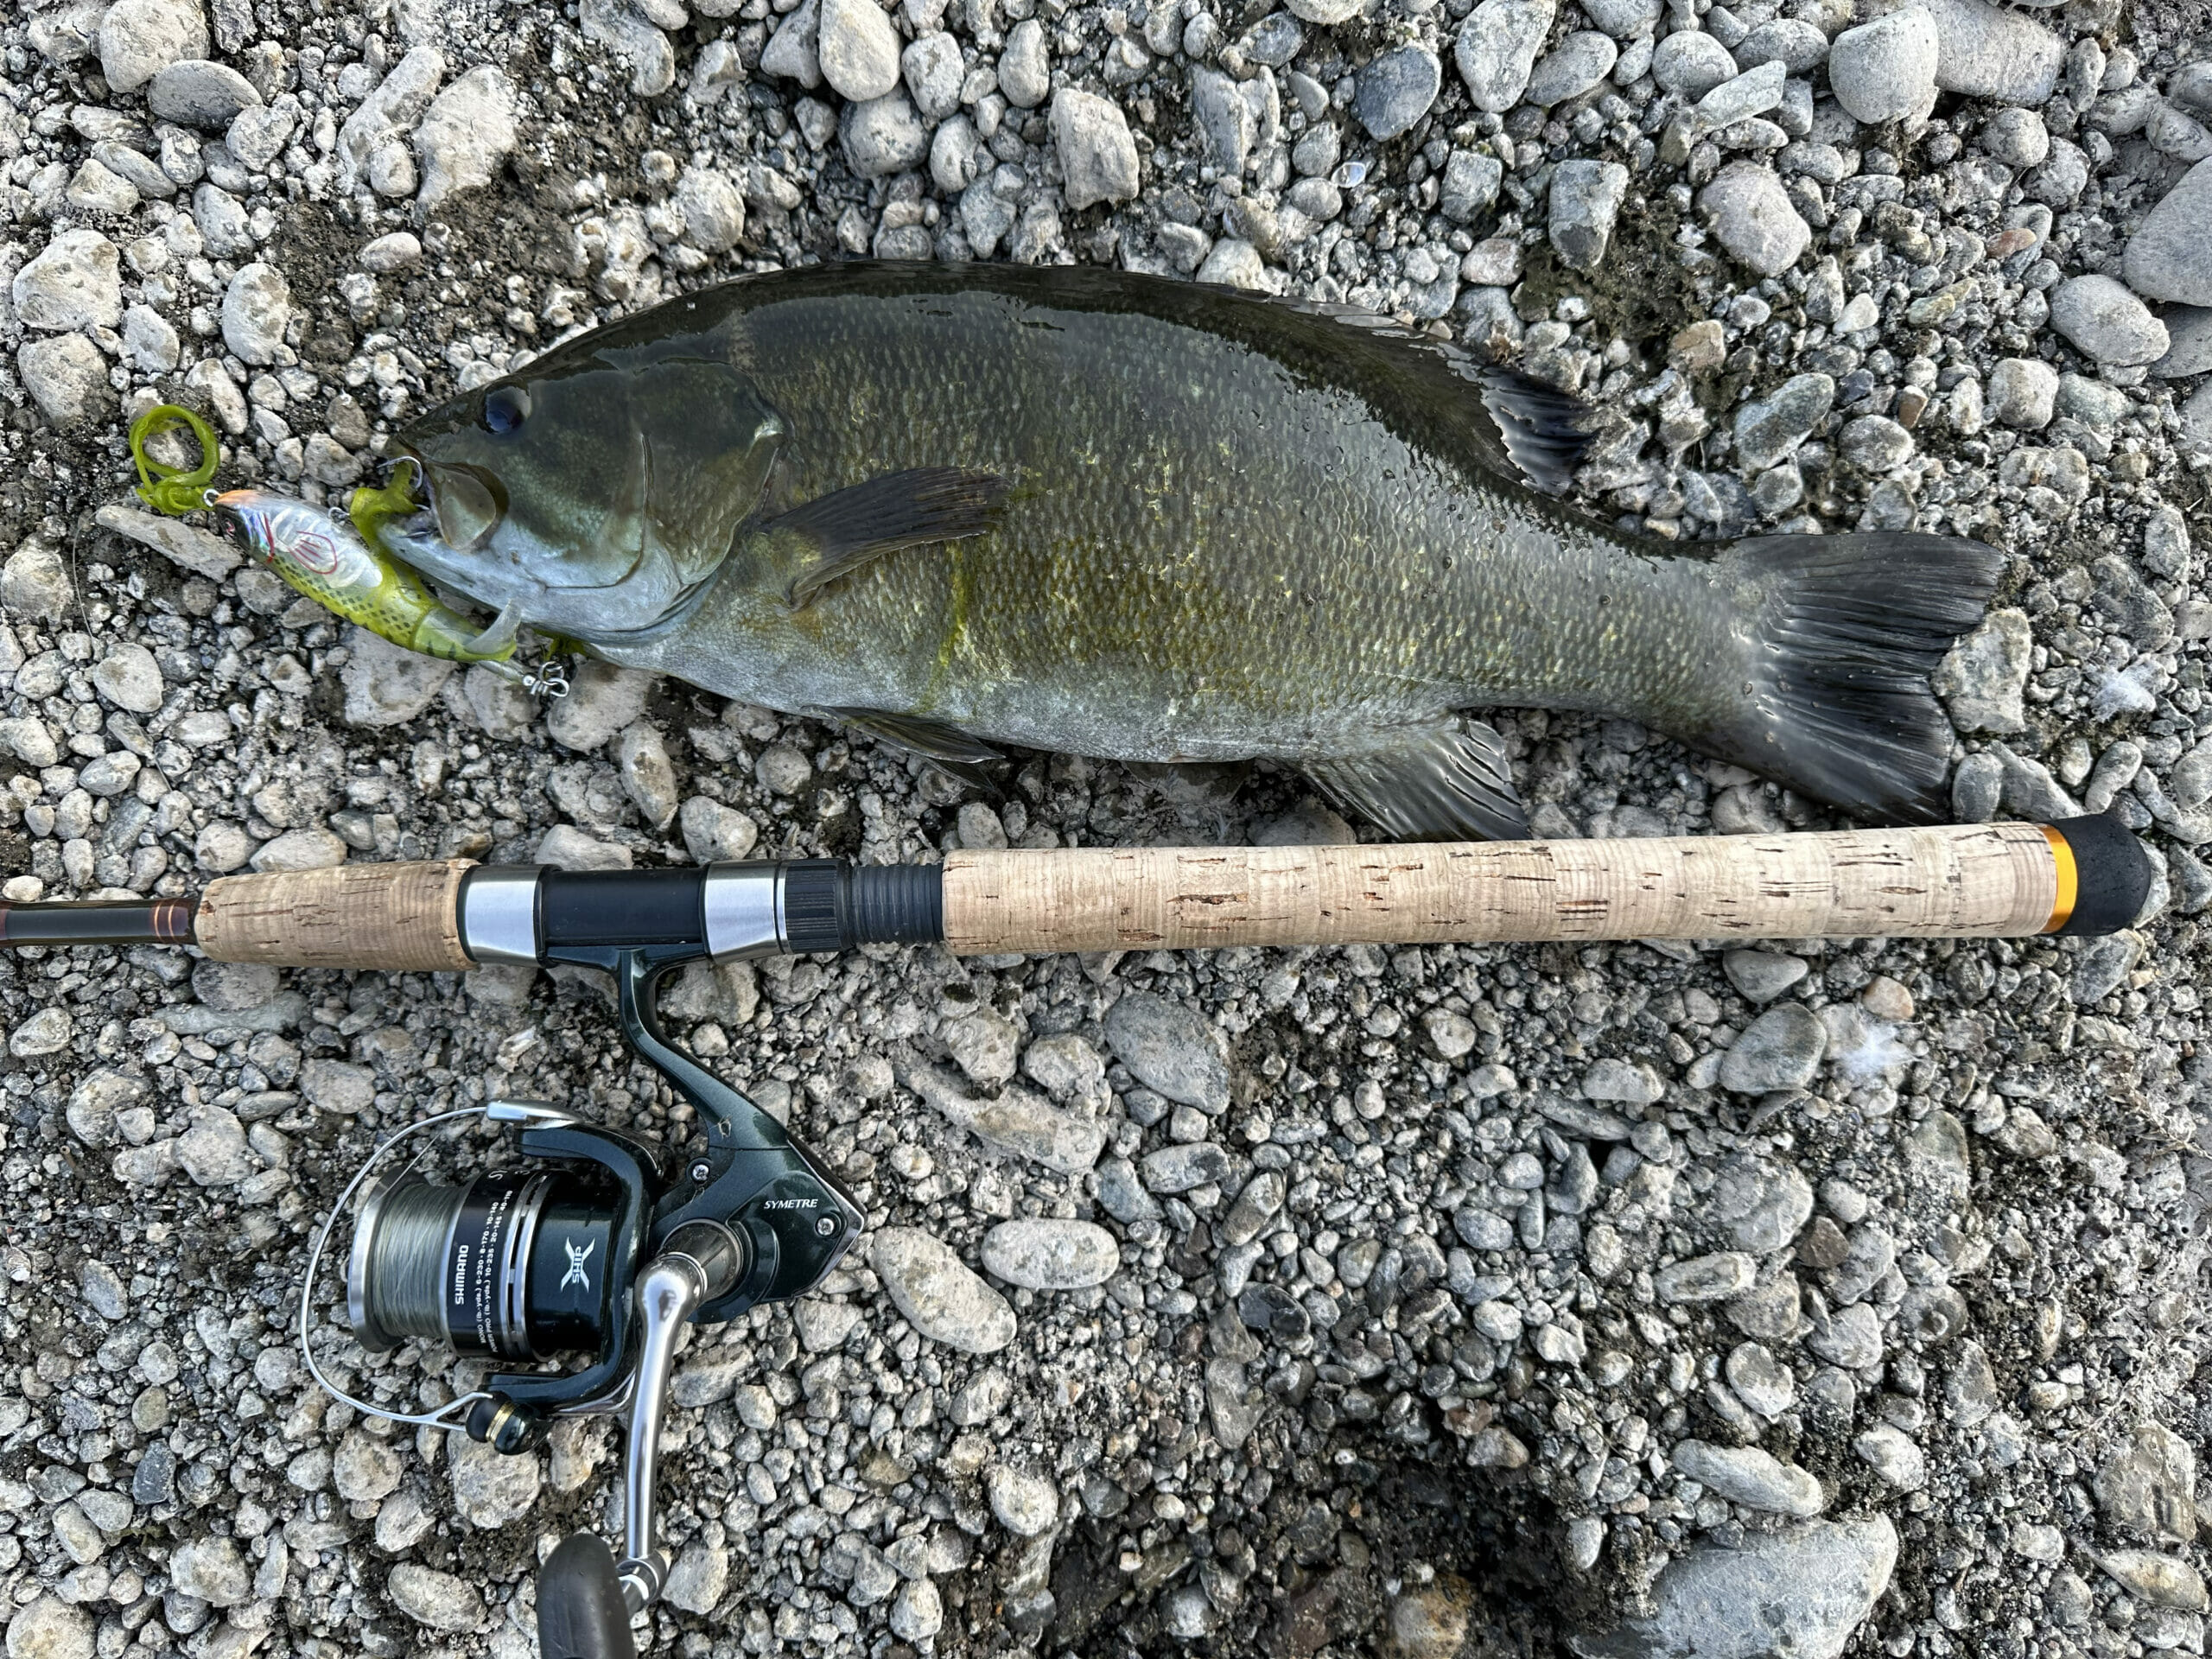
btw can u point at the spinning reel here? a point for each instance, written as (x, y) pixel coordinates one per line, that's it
(592, 1248)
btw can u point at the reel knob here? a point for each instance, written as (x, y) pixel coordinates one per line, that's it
(581, 1611)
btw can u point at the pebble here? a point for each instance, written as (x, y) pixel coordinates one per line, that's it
(1795, 43)
(364, 1469)
(197, 92)
(65, 377)
(1754, 218)
(602, 701)
(75, 283)
(1622, 19)
(1781, 1049)
(1585, 198)
(213, 1152)
(49, 1628)
(2189, 328)
(2147, 1484)
(129, 677)
(1616, 1080)
(1885, 70)
(917, 1611)
(1098, 156)
(1395, 90)
(1016, 1120)
(857, 49)
(1180, 1168)
(1431, 1622)
(933, 73)
(2016, 138)
(938, 1294)
(1800, 1591)
(389, 113)
(1986, 52)
(2022, 393)
(1690, 63)
(791, 53)
(984, 1044)
(257, 310)
(1753, 1478)
(465, 136)
(1027, 1505)
(388, 685)
(437, 1600)
(1985, 677)
(567, 847)
(1851, 1339)
(1762, 976)
(1891, 1454)
(1712, 1278)
(2170, 256)
(1026, 67)
(139, 38)
(715, 834)
(1470, 182)
(883, 135)
(1768, 431)
(2107, 322)
(211, 1569)
(699, 1579)
(1761, 1381)
(395, 250)
(1497, 49)
(1169, 1046)
(1049, 1254)
(1571, 69)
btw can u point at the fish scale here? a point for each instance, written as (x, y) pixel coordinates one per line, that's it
(1231, 527)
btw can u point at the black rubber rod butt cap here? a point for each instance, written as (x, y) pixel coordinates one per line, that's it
(2111, 872)
(581, 1612)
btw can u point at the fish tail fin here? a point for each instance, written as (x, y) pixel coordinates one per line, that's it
(1834, 697)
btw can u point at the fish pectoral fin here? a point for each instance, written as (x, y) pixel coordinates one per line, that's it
(1445, 783)
(933, 739)
(1545, 431)
(843, 531)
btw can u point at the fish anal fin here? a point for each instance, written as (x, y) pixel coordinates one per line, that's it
(1545, 431)
(1441, 783)
(947, 746)
(839, 532)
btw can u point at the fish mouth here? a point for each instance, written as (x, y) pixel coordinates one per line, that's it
(468, 502)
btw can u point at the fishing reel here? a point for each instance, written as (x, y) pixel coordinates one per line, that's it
(590, 1250)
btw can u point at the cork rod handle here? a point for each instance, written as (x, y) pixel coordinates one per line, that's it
(1992, 879)
(401, 917)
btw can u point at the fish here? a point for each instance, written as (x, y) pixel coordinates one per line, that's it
(968, 508)
(324, 556)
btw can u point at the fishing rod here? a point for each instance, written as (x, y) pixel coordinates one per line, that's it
(596, 1248)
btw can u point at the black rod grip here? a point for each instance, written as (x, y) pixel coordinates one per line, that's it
(829, 904)
(581, 1612)
(2113, 874)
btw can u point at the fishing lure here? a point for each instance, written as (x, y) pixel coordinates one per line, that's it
(334, 558)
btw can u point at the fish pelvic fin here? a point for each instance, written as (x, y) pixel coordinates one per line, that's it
(1450, 781)
(1545, 431)
(834, 535)
(1834, 698)
(944, 745)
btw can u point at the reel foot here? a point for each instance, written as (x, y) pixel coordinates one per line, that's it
(581, 1611)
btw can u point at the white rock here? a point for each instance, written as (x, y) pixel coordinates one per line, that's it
(2170, 256)
(310, 848)
(1026, 67)
(933, 73)
(437, 1600)
(139, 38)
(791, 53)
(1749, 1476)
(1043, 1254)
(567, 847)
(1885, 70)
(1754, 218)
(149, 340)
(2106, 321)
(389, 113)
(49, 1628)
(883, 135)
(129, 677)
(938, 1294)
(1098, 158)
(74, 283)
(2022, 393)
(857, 49)
(714, 833)
(395, 250)
(198, 92)
(213, 1153)
(1235, 263)
(386, 684)
(1027, 1505)
(211, 1569)
(602, 700)
(257, 310)
(466, 133)
(635, 29)
(1497, 48)
(67, 378)
(713, 208)
(1986, 52)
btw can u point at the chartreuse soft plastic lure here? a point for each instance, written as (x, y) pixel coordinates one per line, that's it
(334, 558)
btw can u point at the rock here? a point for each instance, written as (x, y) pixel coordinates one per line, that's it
(1431, 1622)
(257, 310)
(1256, 1206)
(700, 1579)
(636, 29)
(1986, 674)
(2022, 393)
(214, 1150)
(389, 113)
(1027, 1505)
(1885, 70)
(1705, 1278)
(1986, 52)
(364, 1469)
(1571, 69)
(1497, 49)
(75, 283)
(1798, 1593)
(1017, 1120)
(1025, 66)
(883, 135)
(387, 684)
(1889, 1451)
(67, 378)
(1781, 1049)
(715, 834)
(857, 49)
(713, 208)
(567, 847)
(1768, 431)
(139, 38)
(1586, 196)
(983, 1044)
(1623, 19)
(1098, 157)
(1048, 1254)
(791, 53)
(1795, 43)
(917, 1611)
(211, 1569)
(933, 72)
(1762, 976)
(1762, 1202)
(438, 1601)
(1395, 90)
(1182, 1168)
(1851, 1339)
(1169, 1047)
(2170, 256)
(2161, 1580)
(1690, 63)
(492, 1489)
(2189, 328)
(602, 700)
(2107, 322)
(197, 92)
(49, 1628)
(1761, 1381)
(1754, 218)
(1470, 182)
(2147, 1484)
(465, 136)
(1234, 264)
(938, 1294)
(128, 678)
(1746, 1475)
(395, 250)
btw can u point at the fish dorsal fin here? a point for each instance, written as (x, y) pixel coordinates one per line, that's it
(1438, 782)
(1542, 426)
(836, 534)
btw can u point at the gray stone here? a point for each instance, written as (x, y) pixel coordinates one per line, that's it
(1850, 1338)
(492, 1489)
(1760, 1381)
(1768, 431)
(387, 684)
(2022, 393)
(1984, 676)
(2189, 327)
(257, 310)
(395, 250)
(1781, 1049)
(1754, 219)
(1762, 1202)
(65, 377)
(715, 834)
(1497, 49)
(917, 1611)
(389, 113)
(1017, 1120)
(791, 53)
(257, 135)
(2153, 1576)
(1891, 1454)
(1170, 1047)
(1986, 52)
(1470, 182)
(96, 189)
(1025, 1504)
(1622, 19)
(1754, 1478)
(2170, 257)
(1712, 1278)
(1690, 63)
(1795, 43)
(2016, 138)
(713, 208)
(1874, 443)
(49, 1628)
(983, 1044)
(74, 283)
(149, 340)
(938, 1293)
(1217, 105)
(1395, 90)
(1885, 70)
(1180, 1168)
(883, 135)
(699, 1579)
(213, 1152)
(139, 38)
(1043, 1254)
(211, 1569)
(1571, 69)
(2147, 1484)
(1026, 66)
(857, 49)
(1798, 1593)
(1235, 263)
(198, 92)
(1098, 156)
(2107, 322)
(129, 677)
(1586, 197)
(465, 136)
(437, 1600)
(1762, 976)
(364, 1469)
(602, 701)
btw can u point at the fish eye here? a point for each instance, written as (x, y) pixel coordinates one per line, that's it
(504, 409)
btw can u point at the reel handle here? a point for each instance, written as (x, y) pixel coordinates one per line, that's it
(581, 1613)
